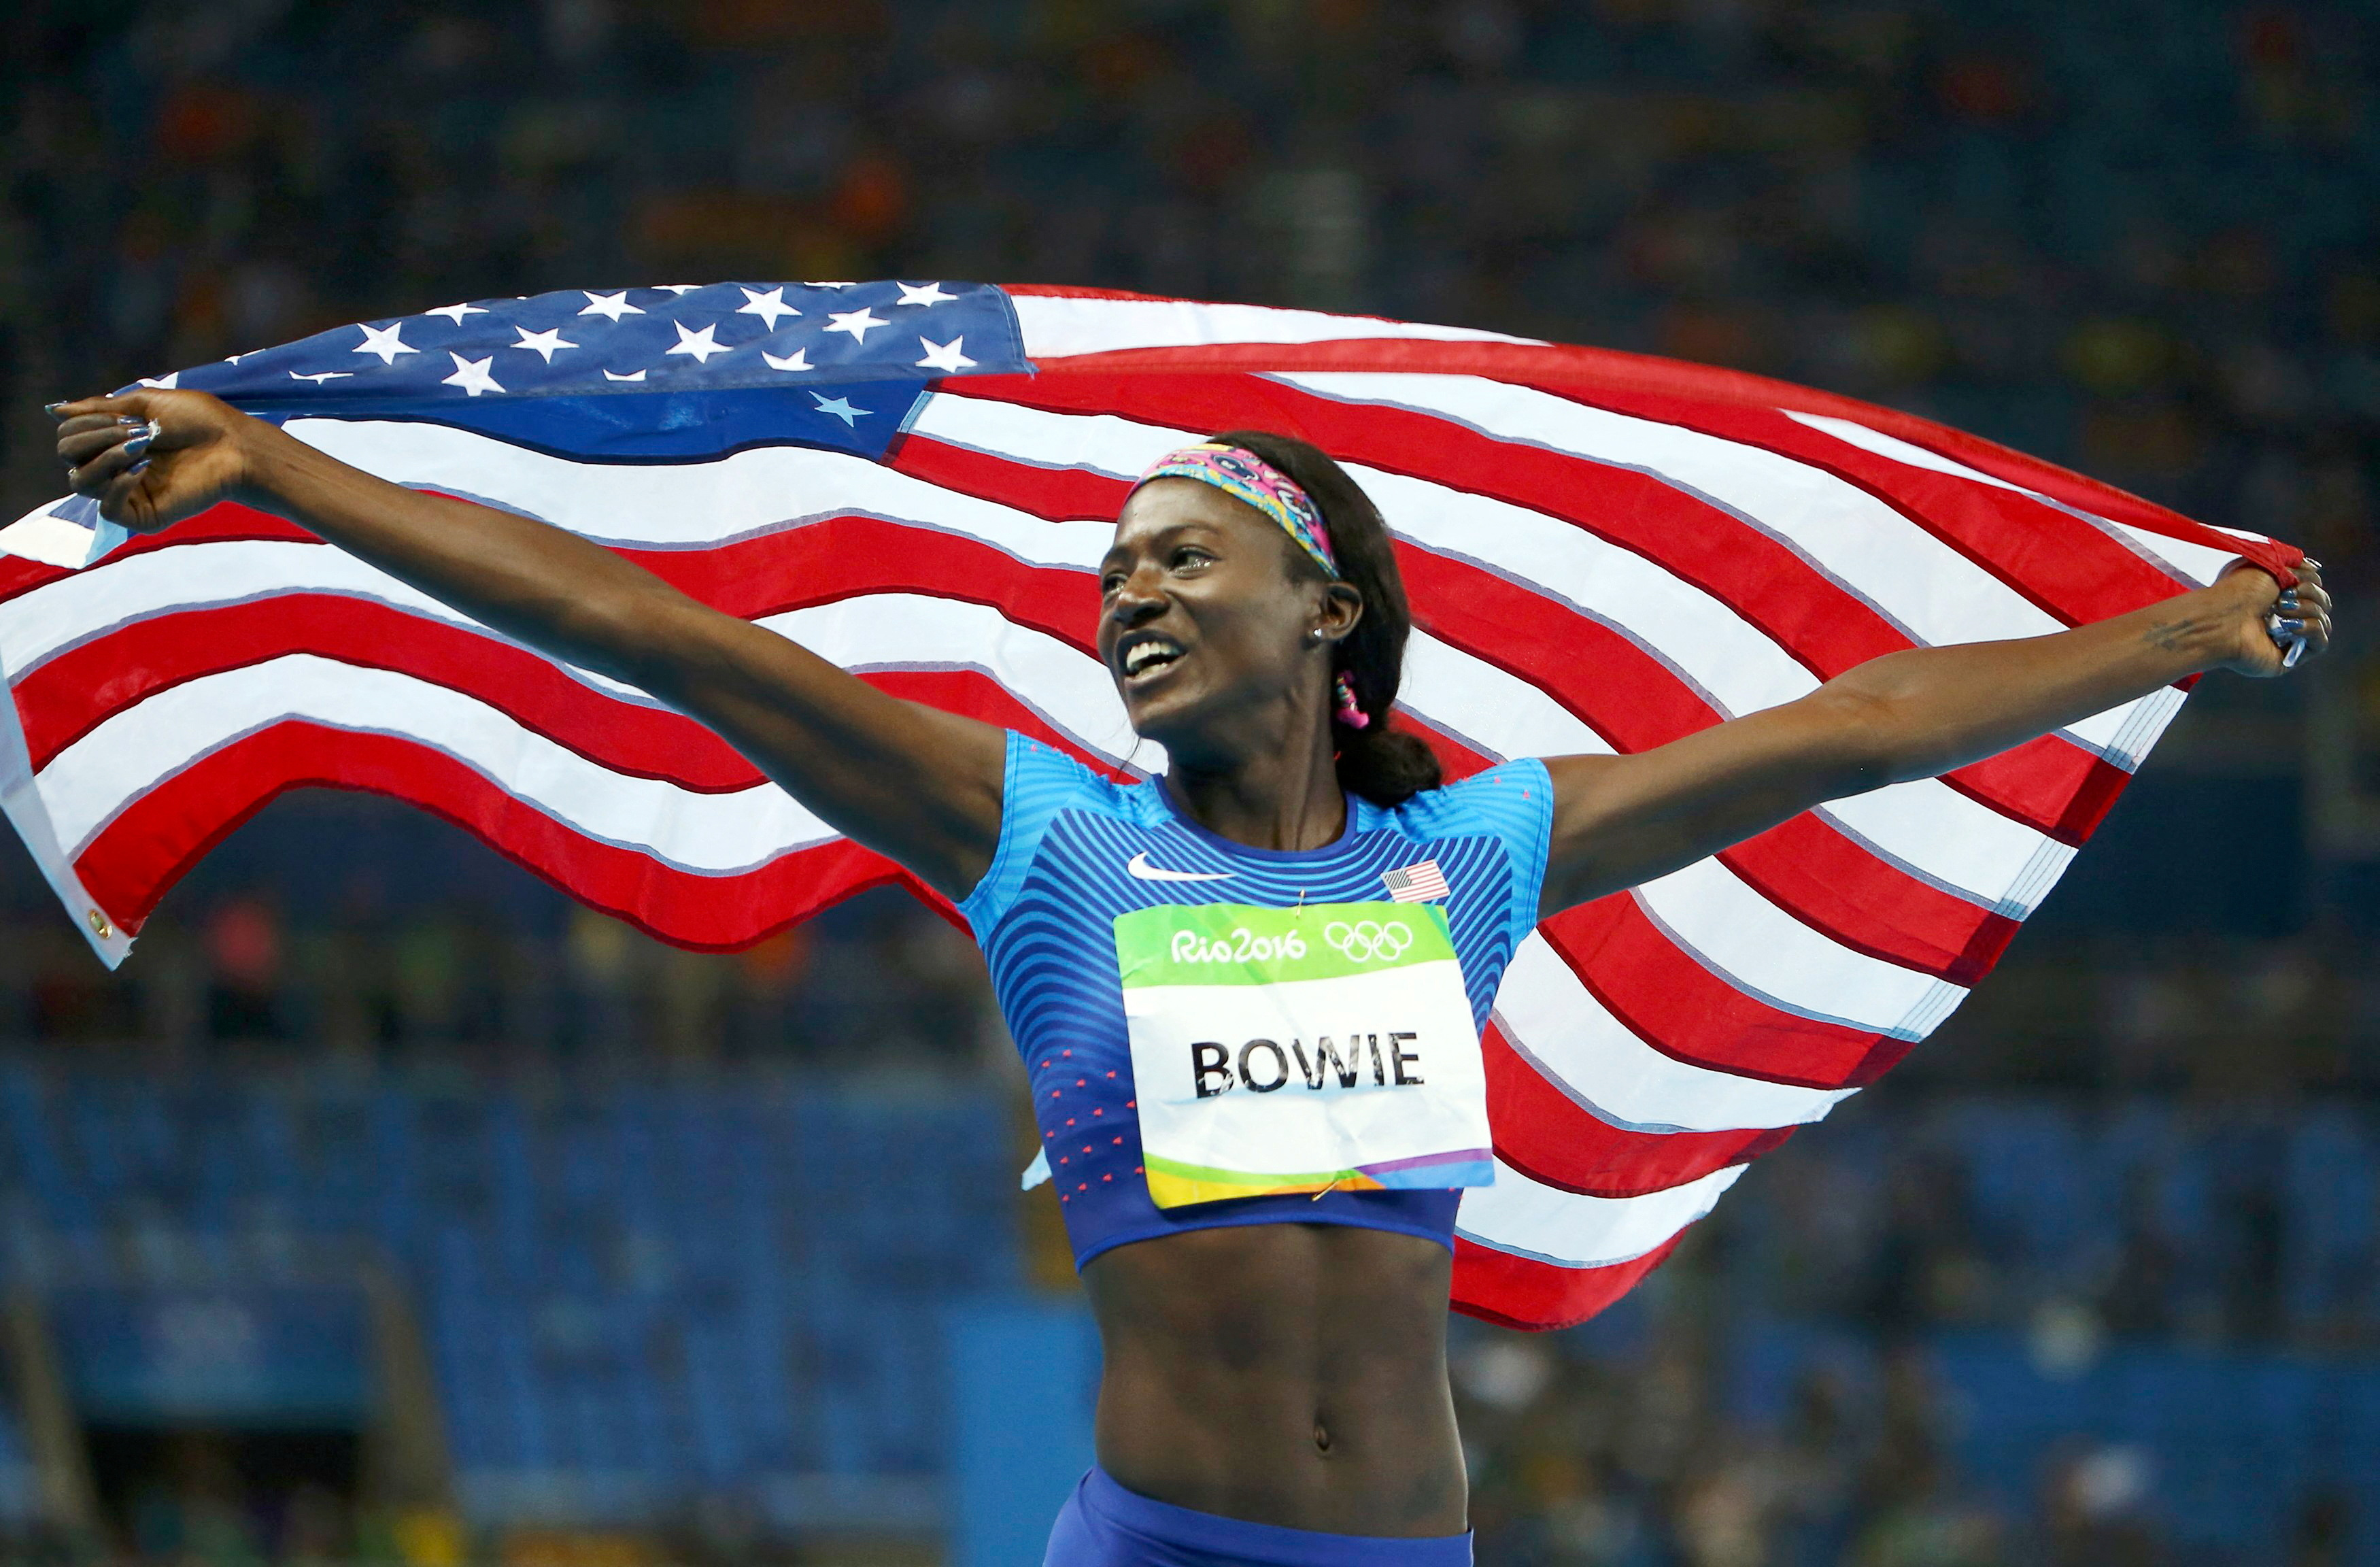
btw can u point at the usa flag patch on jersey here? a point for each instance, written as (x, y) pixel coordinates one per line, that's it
(1415, 883)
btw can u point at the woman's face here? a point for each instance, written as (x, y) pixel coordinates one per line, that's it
(1203, 622)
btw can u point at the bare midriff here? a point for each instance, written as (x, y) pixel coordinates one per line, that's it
(1284, 1374)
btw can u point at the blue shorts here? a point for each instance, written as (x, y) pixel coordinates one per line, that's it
(1103, 1524)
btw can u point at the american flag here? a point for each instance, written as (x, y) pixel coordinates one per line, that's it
(1416, 884)
(1605, 552)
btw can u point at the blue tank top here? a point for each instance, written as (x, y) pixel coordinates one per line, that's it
(1077, 850)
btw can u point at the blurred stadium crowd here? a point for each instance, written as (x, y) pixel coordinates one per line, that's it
(2095, 1278)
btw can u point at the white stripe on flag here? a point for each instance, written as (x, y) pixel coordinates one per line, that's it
(1765, 952)
(1519, 1215)
(2200, 563)
(693, 505)
(92, 780)
(1601, 1065)
(28, 811)
(1055, 326)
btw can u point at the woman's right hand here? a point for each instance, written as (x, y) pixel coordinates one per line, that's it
(151, 458)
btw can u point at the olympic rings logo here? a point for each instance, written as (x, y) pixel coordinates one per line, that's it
(1369, 939)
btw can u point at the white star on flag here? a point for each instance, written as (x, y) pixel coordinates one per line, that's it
(471, 375)
(456, 313)
(544, 342)
(164, 382)
(632, 375)
(830, 286)
(858, 322)
(840, 407)
(678, 287)
(320, 376)
(701, 345)
(923, 293)
(798, 359)
(944, 356)
(611, 305)
(767, 306)
(386, 342)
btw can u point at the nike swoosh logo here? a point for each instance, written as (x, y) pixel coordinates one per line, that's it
(1147, 872)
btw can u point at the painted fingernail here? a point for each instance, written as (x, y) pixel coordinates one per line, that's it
(138, 444)
(137, 469)
(52, 408)
(2287, 627)
(2297, 651)
(130, 419)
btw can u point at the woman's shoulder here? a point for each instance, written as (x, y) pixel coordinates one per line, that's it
(1043, 777)
(1508, 796)
(1511, 803)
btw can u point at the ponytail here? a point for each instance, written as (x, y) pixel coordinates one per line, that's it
(1384, 764)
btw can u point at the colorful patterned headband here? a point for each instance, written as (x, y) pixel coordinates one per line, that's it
(1241, 473)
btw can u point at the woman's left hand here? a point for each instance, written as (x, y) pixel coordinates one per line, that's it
(2271, 619)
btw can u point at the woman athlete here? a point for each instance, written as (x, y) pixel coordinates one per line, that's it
(1274, 1387)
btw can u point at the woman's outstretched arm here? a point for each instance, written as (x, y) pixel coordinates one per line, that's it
(917, 784)
(1622, 820)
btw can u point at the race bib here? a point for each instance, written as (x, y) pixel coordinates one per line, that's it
(1300, 1050)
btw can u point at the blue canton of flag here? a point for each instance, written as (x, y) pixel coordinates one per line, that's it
(667, 373)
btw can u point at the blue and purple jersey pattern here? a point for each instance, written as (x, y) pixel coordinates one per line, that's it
(1077, 850)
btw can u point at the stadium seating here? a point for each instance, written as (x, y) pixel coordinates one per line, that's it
(2246, 1394)
(633, 1294)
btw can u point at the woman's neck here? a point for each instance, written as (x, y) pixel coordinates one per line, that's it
(1283, 798)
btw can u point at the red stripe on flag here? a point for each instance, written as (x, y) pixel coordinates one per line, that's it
(1674, 1003)
(154, 840)
(2053, 786)
(1520, 1291)
(1553, 1140)
(149, 846)
(1055, 495)
(70, 694)
(224, 519)
(1833, 885)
